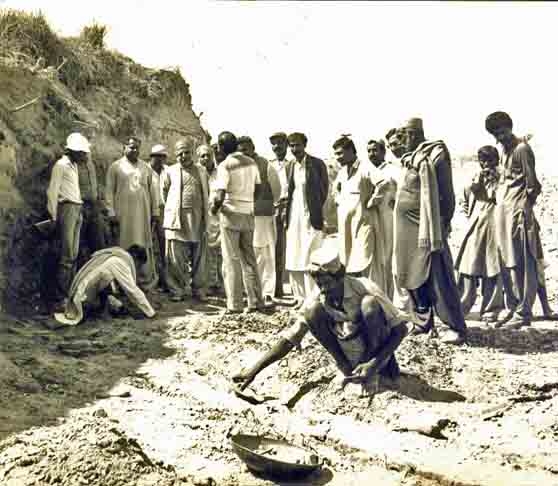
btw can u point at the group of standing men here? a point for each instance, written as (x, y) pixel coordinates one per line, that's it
(235, 219)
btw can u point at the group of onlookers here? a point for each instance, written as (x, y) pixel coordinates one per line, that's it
(223, 217)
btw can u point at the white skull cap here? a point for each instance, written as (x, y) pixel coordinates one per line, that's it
(326, 257)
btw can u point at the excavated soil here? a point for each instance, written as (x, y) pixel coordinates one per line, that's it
(149, 402)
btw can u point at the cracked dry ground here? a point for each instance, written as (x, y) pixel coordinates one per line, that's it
(148, 402)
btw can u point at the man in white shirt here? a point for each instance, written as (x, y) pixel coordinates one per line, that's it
(237, 177)
(64, 204)
(96, 280)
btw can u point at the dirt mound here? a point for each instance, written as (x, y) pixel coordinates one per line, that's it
(49, 87)
(85, 451)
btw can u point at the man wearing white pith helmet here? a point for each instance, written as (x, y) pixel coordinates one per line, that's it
(64, 203)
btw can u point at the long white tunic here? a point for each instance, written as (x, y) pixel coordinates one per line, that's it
(108, 266)
(302, 238)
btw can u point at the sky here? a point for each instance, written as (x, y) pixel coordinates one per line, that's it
(343, 67)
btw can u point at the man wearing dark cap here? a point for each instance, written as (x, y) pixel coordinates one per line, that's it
(279, 145)
(307, 192)
(516, 228)
(424, 208)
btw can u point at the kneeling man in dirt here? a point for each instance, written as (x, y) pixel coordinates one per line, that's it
(93, 285)
(352, 319)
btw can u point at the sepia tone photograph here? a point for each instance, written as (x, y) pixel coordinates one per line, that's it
(257, 243)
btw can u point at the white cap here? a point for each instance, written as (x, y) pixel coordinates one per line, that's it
(326, 257)
(159, 150)
(78, 143)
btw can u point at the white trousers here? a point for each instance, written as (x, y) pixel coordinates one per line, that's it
(265, 259)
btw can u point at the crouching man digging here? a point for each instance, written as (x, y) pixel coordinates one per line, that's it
(97, 279)
(351, 318)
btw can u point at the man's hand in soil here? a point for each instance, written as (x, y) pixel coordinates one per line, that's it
(362, 372)
(278, 351)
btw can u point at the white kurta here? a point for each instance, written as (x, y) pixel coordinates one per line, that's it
(105, 267)
(302, 238)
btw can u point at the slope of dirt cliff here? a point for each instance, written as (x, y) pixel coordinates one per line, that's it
(50, 87)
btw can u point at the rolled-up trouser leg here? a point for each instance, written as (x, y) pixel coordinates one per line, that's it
(321, 324)
(69, 221)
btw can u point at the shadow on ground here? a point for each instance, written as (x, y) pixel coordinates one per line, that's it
(45, 373)
(415, 387)
(540, 337)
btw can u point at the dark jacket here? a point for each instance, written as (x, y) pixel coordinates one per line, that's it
(315, 190)
(263, 196)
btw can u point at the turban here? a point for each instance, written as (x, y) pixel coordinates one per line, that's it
(496, 120)
(297, 137)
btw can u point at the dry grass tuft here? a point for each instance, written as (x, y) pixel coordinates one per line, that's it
(29, 42)
(29, 35)
(94, 35)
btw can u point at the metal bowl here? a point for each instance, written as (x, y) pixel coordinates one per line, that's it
(273, 457)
